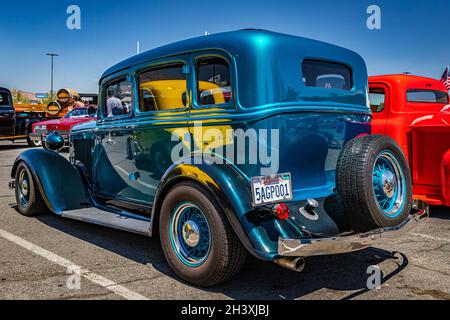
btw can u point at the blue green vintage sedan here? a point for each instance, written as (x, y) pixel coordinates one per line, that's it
(228, 144)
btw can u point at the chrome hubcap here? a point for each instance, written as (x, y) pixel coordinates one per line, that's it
(24, 188)
(389, 184)
(191, 233)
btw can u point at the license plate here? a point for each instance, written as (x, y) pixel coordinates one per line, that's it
(271, 189)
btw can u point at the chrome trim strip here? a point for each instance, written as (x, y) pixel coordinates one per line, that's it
(343, 244)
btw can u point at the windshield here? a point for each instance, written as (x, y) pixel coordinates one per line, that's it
(77, 113)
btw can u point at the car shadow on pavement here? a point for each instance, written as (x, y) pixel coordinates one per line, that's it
(257, 279)
(440, 212)
(13, 146)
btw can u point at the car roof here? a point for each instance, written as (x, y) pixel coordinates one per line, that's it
(240, 42)
(4, 90)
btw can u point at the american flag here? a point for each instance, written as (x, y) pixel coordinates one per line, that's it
(446, 79)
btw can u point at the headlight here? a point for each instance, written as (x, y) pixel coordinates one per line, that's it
(43, 128)
(37, 128)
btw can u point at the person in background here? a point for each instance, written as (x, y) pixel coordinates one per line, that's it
(74, 103)
(87, 104)
(113, 103)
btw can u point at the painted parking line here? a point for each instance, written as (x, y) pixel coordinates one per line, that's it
(426, 236)
(95, 278)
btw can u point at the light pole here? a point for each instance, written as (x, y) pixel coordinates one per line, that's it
(52, 55)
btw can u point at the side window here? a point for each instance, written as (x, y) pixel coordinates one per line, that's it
(162, 88)
(377, 99)
(118, 98)
(213, 81)
(4, 101)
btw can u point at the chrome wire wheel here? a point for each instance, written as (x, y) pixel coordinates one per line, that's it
(190, 234)
(24, 188)
(389, 184)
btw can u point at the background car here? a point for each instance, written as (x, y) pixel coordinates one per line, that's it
(16, 120)
(40, 130)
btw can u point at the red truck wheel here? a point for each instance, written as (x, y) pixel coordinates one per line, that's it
(374, 182)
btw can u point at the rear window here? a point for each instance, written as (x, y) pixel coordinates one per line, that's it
(377, 99)
(428, 96)
(4, 100)
(328, 75)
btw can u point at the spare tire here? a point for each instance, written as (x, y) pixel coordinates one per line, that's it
(374, 182)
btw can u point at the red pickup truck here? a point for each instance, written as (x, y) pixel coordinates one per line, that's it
(414, 111)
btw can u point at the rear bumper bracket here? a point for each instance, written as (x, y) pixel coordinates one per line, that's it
(343, 244)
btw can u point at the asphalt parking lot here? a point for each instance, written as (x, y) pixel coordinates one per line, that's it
(117, 265)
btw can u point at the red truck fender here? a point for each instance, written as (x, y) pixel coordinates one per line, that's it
(445, 177)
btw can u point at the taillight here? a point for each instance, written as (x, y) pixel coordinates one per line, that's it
(281, 211)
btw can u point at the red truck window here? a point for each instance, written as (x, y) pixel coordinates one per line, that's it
(427, 96)
(377, 97)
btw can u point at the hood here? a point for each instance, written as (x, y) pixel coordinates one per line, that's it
(61, 123)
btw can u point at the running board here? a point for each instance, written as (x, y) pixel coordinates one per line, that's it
(109, 219)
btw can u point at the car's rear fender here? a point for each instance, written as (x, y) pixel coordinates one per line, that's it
(60, 183)
(227, 186)
(232, 191)
(445, 177)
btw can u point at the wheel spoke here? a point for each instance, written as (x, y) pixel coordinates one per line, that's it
(388, 183)
(191, 223)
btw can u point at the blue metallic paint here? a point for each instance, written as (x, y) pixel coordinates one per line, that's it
(60, 191)
(117, 155)
(267, 67)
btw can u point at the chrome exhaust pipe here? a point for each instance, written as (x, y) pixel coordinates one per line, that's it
(296, 264)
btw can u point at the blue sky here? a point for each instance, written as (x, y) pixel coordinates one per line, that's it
(414, 35)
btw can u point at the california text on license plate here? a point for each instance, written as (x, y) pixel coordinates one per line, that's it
(270, 189)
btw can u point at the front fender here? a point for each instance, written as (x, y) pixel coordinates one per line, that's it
(233, 193)
(59, 182)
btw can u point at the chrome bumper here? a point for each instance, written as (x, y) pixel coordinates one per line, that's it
(43, 135)
(343, 244)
